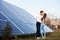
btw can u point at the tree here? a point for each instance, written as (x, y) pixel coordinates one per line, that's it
(7, 32)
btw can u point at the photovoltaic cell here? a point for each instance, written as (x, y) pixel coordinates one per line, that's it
(21, 21)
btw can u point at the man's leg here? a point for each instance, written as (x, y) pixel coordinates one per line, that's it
(38, 30)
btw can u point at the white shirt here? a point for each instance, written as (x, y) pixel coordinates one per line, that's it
(39, 18)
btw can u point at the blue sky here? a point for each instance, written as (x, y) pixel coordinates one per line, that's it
(51, 7)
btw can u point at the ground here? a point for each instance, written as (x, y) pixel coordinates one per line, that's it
(50, 36)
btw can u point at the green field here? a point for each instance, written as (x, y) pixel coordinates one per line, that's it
(50, 36)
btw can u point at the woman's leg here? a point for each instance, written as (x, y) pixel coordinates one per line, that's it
(44, 33)
(41, 30)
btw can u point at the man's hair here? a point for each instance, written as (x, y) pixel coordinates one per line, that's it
(41, 11)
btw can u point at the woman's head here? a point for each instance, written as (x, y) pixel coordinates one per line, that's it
(45, 15)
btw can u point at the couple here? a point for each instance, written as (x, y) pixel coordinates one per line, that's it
(41, 18)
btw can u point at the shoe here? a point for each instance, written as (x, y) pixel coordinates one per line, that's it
(44, 37)
(38, 38)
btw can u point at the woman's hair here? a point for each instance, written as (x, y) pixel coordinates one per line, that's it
(45, 15)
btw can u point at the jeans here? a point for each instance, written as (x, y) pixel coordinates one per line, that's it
(38, 29)
(42, 31)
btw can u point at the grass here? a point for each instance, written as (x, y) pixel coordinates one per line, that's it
(50, 36)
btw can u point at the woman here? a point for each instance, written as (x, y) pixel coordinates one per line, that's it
(42, 31)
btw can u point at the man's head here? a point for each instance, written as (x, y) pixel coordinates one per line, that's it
(42, 12)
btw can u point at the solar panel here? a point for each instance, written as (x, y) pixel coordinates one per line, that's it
(22, 22)
(2, 25)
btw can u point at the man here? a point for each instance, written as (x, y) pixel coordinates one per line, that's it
(38, 23)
